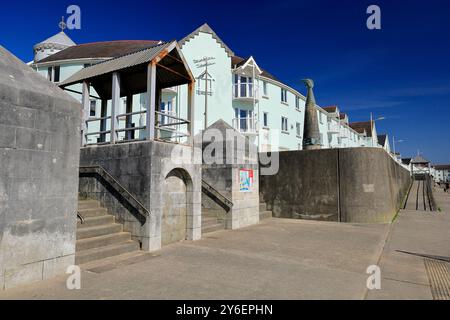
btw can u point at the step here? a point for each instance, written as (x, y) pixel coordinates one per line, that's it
(206, 221)
(86, 213)
(106, 240)
(262, 207)
(88, 204)
(90, 255)
(213, 228)
(265, 215)
(210, 213)
(111, 263)
(95, 221)
(98, 231)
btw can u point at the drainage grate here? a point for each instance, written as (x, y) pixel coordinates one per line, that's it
(439, 277)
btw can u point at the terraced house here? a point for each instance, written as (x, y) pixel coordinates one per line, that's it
(229, 87)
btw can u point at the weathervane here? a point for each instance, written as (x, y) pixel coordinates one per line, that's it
(62, 25)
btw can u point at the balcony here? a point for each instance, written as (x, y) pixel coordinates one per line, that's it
(245, 125)
(245, 92)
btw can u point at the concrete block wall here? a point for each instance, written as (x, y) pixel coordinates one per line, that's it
(355, 185)
(142, 168)
(39, 157)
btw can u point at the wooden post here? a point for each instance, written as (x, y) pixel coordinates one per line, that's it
(103, 114)
(151, 100)
(86, 111)
(191, 111)
(115, 105)
(129, 119)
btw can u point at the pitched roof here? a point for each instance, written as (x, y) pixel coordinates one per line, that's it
(106, 49)
(342, 115)
(237, 61)
(330, 109)
(442, 167)
(205, 28)
(119, 63)
(59, 38)
(362, 127)
(419, 160)
(382, 139)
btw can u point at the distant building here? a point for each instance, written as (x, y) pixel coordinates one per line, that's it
(441, 173)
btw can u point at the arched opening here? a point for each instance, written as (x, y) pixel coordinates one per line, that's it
(177, 194)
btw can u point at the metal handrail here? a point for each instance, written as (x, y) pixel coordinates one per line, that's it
(224, 201)
(135, 203)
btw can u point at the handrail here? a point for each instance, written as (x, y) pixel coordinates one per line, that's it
(210, 190)
(135, 203)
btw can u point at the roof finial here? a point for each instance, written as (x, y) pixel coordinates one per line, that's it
(62, 25)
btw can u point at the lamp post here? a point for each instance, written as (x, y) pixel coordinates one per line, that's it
(372, 121)
(394, 142)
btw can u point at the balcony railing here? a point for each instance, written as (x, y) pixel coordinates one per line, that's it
(245, 125)
(248, 91)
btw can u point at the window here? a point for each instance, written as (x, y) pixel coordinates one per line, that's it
(284, 124)
(297, 103)
(321, 117)
(266, 120)
(284, 95)
(244, 121)
(265, 88)
(93, 108)
(57, 73)
(243, 86)
(299, 129)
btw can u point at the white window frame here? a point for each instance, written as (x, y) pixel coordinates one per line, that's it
(265, 89)
(284, 121)
(265, 120)
(298, 129)
(284, 96)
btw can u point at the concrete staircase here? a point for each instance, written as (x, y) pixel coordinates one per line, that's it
(263, 212)
(210, 222)
(99, 237)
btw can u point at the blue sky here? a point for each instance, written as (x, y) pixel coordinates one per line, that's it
(401, 72)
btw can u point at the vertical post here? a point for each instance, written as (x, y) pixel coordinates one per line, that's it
(86, 111)
(129, 119)
(103, 114)
(115, 97)
(191, 111)
(151, 97)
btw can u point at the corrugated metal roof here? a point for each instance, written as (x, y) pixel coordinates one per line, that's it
(120, 63)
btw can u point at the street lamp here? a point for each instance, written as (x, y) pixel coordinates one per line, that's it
(394, 142)
(372, 120)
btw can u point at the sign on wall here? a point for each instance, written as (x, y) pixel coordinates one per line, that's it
(246, 180)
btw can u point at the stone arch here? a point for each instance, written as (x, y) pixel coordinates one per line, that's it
(176, 207)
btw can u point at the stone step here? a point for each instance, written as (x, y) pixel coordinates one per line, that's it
(211, 212)
(95, 221)
(213, 228)
(88, 204)
(106, 240)
(206, 221)
(90, 255)
(262, 207)
(86, 213)
(265, 215)
(111, 263)
(98, 231)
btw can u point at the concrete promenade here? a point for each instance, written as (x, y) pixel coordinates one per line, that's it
(278, 259)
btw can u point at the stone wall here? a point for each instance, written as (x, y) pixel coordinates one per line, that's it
(39, 156)
(145, 169)
(349, 185)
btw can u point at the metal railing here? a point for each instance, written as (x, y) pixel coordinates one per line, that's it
(168, 127)
(245, 90)
(245, 125)
(215, 195)
(121, 190)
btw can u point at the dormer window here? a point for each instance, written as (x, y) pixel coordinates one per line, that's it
(243, 86)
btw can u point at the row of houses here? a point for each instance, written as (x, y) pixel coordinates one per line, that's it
(229, 87)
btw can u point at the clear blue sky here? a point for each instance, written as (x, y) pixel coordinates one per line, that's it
(401, 72)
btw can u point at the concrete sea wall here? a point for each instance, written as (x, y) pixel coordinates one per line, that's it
(356, 185)
(39, 157)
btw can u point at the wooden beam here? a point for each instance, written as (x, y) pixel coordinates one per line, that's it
(151, 100)
(175, 72)
(115, 106)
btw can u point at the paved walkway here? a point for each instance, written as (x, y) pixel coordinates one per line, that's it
(278, 259)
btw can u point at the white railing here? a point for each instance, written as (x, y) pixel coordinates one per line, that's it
(245, 125)
(245, 91)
